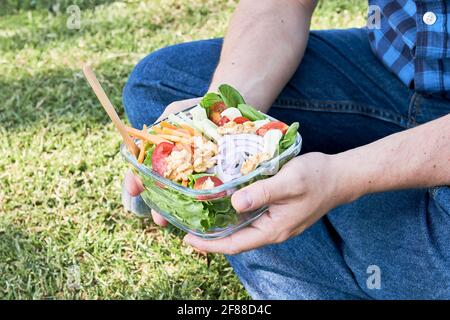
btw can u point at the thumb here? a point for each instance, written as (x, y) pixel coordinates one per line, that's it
(258, 194)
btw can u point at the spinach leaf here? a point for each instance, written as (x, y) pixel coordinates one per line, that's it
(230, 96)
(250, 113)
(289, 137)
(209, 99)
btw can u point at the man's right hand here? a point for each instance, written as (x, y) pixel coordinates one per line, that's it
(133, 183)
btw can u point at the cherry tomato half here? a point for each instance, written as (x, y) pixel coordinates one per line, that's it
(199, 185)
(215, 111)
(283, 127)
(240, 120)
(162, 151)
(223, 120)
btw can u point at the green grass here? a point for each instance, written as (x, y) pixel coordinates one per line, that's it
(60, 171)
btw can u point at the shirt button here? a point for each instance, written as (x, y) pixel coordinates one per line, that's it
(429, 18)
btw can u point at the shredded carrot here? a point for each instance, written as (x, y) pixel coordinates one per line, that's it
(165, 124)
(175, 133)
(184, 131)
(142, 152)
(184, 183)
(174, 138)
(144, 135)
(188, 129)
(157, 129)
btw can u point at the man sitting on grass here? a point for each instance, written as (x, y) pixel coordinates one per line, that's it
(364, 212)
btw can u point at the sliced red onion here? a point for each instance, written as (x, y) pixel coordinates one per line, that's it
(233, 151)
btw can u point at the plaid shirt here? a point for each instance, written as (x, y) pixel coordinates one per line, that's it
(413, 41)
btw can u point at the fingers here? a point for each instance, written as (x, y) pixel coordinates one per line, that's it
(134, 187)
(260, 233)
(259, 194)
(158, 219)
(133, 184)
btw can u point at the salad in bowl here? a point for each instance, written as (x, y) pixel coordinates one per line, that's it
(193, 161)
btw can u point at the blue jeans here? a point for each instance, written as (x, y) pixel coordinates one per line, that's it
(392, 245)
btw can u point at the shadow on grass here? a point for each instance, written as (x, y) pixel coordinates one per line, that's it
(60, 96)
(53, 32)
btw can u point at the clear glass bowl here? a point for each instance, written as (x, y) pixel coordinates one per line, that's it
(211, 215)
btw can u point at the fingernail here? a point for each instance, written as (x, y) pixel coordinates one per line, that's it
(242, 201)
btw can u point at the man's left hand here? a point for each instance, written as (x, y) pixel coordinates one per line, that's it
(304, 190)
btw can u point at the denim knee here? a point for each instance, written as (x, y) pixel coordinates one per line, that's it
(438, 223)
(177, 72)
(247, 265)
(442, 196)
(141, 95)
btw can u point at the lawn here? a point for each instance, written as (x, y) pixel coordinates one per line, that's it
(63, 231)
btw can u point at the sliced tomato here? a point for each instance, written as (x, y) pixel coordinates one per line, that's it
(200, 184)
(215, 111)
(162, 151)
(223, 120)
(240, 120)
(283, 127)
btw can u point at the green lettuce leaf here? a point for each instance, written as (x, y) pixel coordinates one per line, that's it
(199, 215)
(230, 96)
(148, 157)
(250, 113)
(289, 137)
(209, 99)
(190, 212)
